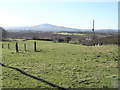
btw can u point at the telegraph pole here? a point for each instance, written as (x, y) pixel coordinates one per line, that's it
(93, 25)
(94, 37)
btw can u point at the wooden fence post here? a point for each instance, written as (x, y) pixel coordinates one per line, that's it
(8, 46)
(16, 47)
(2, 45)
(35, 46)
(24, 46)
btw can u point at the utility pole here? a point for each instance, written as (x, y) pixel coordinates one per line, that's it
(94, 36)
(93, 25)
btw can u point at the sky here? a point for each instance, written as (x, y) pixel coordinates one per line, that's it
(73, 14)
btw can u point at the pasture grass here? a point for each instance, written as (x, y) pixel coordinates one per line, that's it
(62, 64)
(69, 33)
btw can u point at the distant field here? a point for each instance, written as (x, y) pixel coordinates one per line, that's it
(62, 64)
(69, 33)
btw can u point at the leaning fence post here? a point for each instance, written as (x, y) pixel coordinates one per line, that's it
(24, 46)
(8, 46)
(35, 46)
(16, 47)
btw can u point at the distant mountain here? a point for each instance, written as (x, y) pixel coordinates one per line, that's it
(107, 30)
(43, 27)
(53, 28)
(1, 28)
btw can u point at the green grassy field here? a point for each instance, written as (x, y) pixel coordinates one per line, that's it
(69, 33)
(62, 64)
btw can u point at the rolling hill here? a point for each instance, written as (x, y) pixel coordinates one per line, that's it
(54, 28)
(43, 27)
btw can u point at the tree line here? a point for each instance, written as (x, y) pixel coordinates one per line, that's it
(87, 39)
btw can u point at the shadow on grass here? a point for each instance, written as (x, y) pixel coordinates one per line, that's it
(38, 51)
(20, 51)
(53, 85)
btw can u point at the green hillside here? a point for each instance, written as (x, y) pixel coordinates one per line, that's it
(57, 65)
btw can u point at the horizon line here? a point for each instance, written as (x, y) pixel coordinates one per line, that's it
(53, 25)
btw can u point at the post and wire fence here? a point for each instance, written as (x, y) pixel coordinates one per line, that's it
(18, 46)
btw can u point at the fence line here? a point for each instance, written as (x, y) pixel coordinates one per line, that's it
(17, 46)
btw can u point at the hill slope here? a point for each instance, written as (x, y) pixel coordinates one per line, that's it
(54, 28)
(43, 27)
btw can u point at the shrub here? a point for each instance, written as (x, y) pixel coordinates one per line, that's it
(68, 39)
